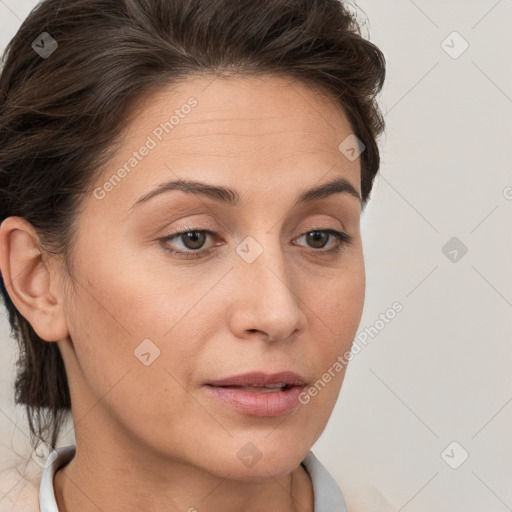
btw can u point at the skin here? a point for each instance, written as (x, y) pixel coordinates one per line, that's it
(149, 437)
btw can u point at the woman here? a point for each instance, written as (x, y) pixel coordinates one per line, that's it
(181, 188)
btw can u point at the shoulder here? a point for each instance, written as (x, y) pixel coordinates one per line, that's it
(358, 495)
(19, 487)
(366, 498)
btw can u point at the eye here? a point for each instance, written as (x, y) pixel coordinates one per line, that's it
(193, 239)
(317, 239)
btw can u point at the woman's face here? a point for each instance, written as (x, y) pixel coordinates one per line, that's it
(258, 284)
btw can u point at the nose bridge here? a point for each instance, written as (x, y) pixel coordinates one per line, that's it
(267, 300)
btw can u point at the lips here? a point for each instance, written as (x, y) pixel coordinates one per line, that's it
(257, 393)
(260, 379)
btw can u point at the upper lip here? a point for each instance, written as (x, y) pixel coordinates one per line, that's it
(260, 379)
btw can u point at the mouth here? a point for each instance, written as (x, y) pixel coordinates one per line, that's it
(261, 379)
(258, 394)
(270, 388)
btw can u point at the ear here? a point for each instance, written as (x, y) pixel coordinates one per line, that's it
(31, 286)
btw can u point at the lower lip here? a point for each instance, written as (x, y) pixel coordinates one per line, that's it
(252, 403)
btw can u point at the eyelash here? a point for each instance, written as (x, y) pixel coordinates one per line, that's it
(343, 239)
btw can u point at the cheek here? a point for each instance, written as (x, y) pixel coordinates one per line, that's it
(334, 321)
(108, 323)
(337, 303)
(121, 319)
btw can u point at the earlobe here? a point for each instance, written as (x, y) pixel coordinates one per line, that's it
(30, 284)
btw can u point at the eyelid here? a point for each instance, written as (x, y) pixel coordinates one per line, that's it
(212, 230)
(322, 225)
(194, 226)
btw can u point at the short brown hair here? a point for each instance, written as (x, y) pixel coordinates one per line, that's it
(62, 113)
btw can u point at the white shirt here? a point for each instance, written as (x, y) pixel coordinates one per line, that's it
(327, 494)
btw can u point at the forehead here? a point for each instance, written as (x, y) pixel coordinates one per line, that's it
(236, 111)
(241, 131)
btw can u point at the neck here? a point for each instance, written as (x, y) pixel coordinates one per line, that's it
(77, 488)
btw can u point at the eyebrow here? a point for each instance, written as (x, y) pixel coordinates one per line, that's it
(232, 197)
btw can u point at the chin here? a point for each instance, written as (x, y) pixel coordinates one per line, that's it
(257, 458)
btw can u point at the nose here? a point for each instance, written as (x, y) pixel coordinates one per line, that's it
(265, 300)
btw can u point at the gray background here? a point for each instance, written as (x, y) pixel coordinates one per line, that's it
(439, 372)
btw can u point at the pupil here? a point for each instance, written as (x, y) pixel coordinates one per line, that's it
(193, 237)
(316, 235)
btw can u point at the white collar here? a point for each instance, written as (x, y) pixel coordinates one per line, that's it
(327, 494)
